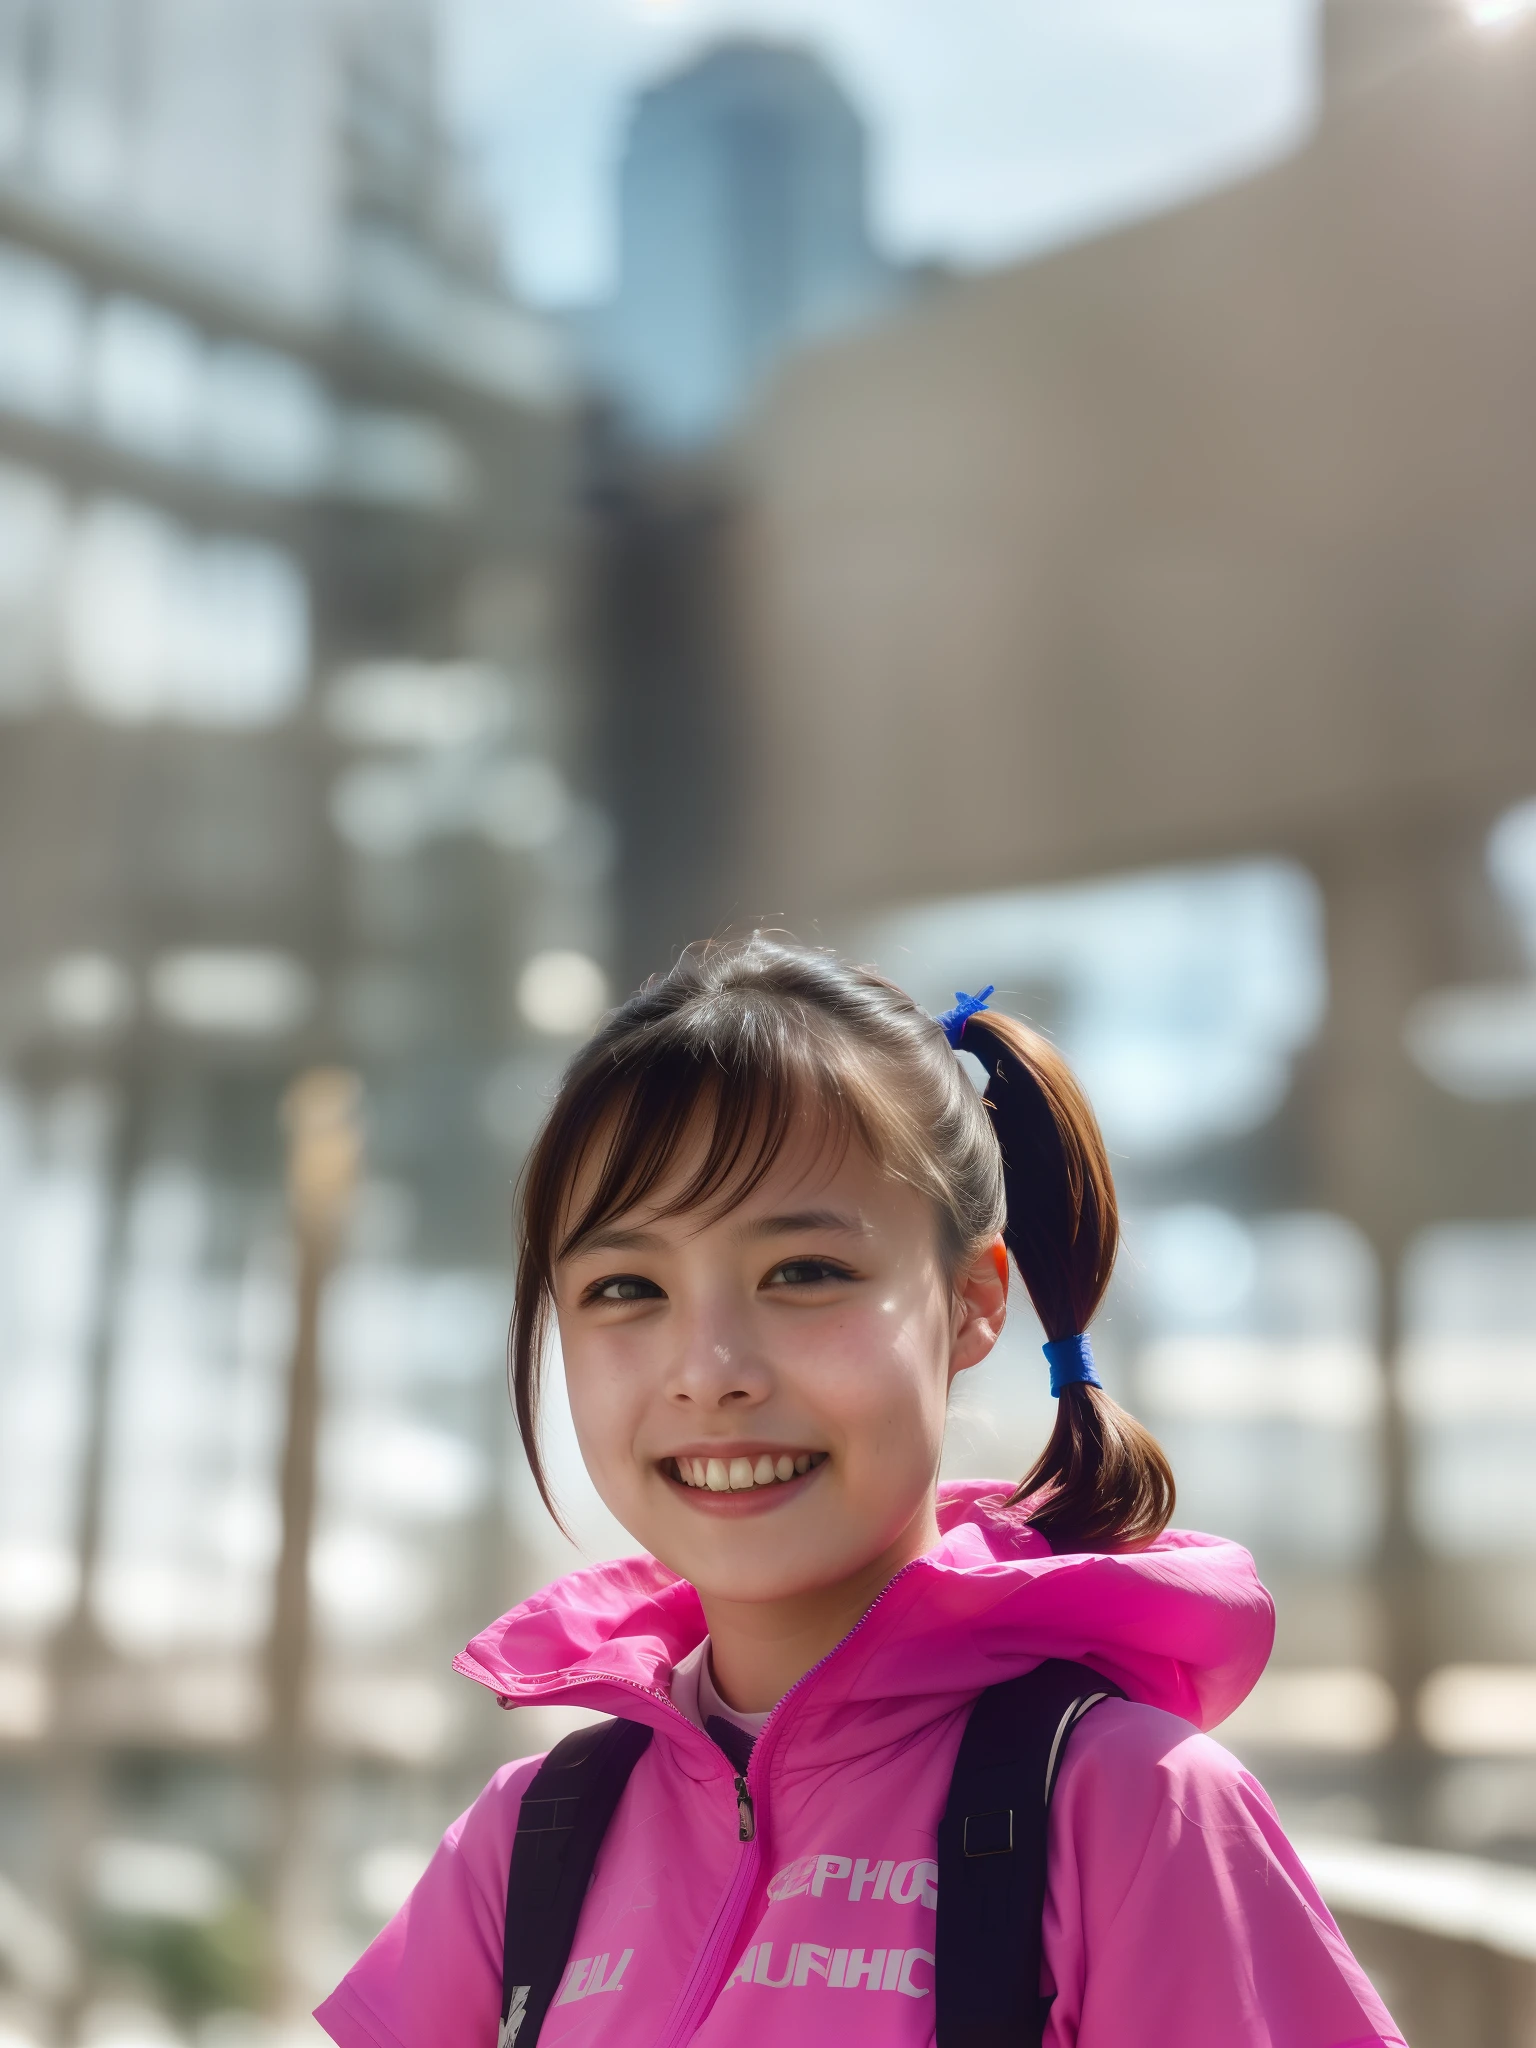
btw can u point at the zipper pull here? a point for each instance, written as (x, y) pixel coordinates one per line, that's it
(746, 1820)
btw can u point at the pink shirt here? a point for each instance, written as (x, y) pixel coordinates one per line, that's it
(1178, 1915)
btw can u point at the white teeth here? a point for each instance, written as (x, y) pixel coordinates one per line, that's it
(736, 1475)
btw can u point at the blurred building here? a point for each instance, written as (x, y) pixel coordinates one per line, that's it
(292, 733)
(743, 230)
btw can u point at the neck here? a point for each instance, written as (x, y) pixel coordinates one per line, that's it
(758, 1649)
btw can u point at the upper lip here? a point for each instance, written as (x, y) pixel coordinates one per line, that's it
(747, 1447)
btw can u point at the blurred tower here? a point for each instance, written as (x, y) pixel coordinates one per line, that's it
(743, 229)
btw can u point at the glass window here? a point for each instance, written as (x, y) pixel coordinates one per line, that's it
(146, 379)
(1469, 1385)
(268, 419)
(161, 625)
(33, 536)
(42, 336)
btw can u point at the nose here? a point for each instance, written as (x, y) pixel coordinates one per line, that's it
(715, 1365)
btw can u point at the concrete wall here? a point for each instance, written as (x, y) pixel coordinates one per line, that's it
(1211, 534)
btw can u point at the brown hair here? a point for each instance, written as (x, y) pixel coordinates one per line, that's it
(739, 1040)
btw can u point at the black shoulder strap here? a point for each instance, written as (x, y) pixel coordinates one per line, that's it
(992, 1850)
(560, 1828)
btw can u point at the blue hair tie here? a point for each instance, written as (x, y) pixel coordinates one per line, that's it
(1071, 1363)
(954, 1021)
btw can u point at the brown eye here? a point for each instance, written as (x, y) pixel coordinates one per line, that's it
(807, 1273)
(623, 1287)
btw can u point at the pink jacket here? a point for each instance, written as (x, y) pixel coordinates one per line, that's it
(1178, 1914)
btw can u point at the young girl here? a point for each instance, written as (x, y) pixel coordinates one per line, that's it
(772, 1218)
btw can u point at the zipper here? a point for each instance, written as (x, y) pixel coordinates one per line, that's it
(746, 1813)
(822, 1662)
(701, 1988)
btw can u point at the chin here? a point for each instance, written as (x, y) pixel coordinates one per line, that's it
(742, 1571)
(736, 1573)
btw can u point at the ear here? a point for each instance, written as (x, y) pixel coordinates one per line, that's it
(981, 1307)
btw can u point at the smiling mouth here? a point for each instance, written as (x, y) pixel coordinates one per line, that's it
(741, 1475)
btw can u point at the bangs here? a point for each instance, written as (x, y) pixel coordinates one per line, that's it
(736, 1106)
(728, 1100)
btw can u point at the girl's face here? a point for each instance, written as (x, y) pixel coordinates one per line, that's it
(760, 1396)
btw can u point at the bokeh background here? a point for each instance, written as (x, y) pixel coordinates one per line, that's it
(1028, 492)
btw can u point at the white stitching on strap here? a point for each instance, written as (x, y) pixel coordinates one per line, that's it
(1068, 1722)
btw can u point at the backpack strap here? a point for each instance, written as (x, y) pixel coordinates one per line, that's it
(560, 1827)
(992, 1856)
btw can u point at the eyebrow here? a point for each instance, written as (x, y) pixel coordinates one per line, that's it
(615, 1238)
(799, 1221)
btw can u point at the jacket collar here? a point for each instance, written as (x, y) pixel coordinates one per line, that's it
(1184, 1625)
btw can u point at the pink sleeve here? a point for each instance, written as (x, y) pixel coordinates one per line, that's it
(1179, 1915)
(432, 1978)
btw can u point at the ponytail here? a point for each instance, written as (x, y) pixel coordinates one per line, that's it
(1102, 1482)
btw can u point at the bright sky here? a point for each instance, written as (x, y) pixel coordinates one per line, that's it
(1000, 126)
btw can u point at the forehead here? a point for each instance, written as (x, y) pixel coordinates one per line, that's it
(812, 1159)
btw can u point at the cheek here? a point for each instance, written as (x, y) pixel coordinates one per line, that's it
(885, 1367)
(604, 1391)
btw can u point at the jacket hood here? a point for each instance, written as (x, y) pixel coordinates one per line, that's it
(1184, 1625)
